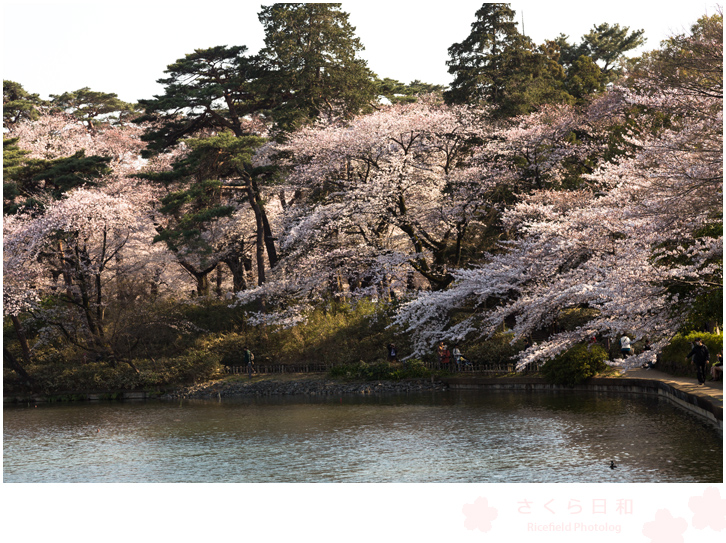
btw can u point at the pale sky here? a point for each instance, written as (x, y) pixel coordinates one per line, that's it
(124, 47)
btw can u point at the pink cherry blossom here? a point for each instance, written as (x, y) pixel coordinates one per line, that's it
(665, 528)
(709, 510)
(479, 515)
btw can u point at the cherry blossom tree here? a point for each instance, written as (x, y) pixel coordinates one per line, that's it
(378, 201)
(58, 135)
(395, 179)
(638, 245)
(76, 252)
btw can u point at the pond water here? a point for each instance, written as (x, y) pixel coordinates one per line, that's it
(453, 436)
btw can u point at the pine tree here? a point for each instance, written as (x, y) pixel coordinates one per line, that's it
(476, 63)
(207, 89)
(13, 159)
(604, 44)
(37, 181)
(91, 107)
(19, 104)
(499, 66)
(215, 90)
(311, 64)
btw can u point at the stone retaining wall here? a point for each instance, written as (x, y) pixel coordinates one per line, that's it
(321, 387)
(702, 406)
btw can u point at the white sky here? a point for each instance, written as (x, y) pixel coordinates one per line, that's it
(124, 47)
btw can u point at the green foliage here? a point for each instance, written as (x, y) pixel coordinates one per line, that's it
(53, 178)
(92, 107)
(584, 78)
(193, 209)
(13, 157)
(200, 198)
(217, 157)
(207, 89)
(397, 92)
(18, 104)
(13, 160)
(576, 365)
(310, 64)
(605, 44)
(380, 371)
(475, 62)
(192, 367)
(497, 65)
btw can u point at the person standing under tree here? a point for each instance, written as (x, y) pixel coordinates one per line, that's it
(700, 355)
(392, 353)
(444, 355)
(249, 359)
(445, 358)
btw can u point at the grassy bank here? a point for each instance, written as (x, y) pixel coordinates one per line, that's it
(205, 337)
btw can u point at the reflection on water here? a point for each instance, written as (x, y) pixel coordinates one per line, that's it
(428, 437)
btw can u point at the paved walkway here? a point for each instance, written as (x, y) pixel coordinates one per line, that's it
(712, 390)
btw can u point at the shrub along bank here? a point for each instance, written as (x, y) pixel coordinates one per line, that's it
(213, 335)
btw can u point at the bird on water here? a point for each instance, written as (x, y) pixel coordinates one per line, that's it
(612, 465)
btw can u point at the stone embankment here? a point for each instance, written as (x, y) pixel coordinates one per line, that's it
(321, 387)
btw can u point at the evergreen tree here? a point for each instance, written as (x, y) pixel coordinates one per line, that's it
(605, 45)
(91, 107)
(311, 67)
(13, 159)
(215, 90)
(39, 180)
(584, 78)
(207, 89)
(201, 199)
(397, 92)
(477, 62)
(497, 65)
(18, 104)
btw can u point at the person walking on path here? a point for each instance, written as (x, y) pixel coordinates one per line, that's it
(392, 352)
(444, 355)
(717, 368)
(700, 355)
(249, 359)
(459, 358)
(625, 346)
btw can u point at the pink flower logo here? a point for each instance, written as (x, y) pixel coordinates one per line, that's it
(665, 528)
(708, 510)
(479, 515)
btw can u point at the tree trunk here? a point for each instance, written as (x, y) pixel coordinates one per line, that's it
(269, 239)
(239, 266)
(201, 276)
(260, 238)
(22, 339)
(16, 366)
(218, 285)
